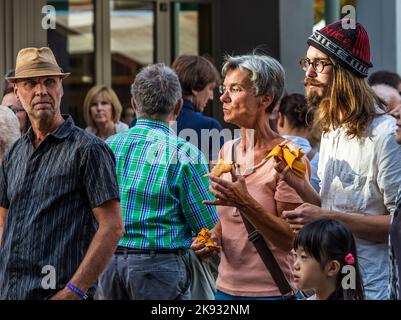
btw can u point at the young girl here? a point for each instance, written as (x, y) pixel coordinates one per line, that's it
(323, 250)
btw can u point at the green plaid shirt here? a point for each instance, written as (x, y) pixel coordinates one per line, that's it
(161, 184)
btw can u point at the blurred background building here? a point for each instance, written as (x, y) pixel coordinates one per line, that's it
(108, 41)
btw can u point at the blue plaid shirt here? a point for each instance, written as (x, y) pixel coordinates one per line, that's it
(161, 185)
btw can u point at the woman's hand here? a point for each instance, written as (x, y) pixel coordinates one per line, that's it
(204, 252)
(300, 184)
(232, 194)
(284, 172)
(304, 214)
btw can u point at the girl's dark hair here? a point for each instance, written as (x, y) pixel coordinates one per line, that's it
(389, 78)
(326, 240)
(295, 108)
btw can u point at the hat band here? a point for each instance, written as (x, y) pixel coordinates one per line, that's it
(340, 53)
(50, 67)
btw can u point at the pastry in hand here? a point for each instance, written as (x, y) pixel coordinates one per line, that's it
(221, 167)
(204, 237)
(291, 156)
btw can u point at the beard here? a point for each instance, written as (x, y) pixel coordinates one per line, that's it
(42, 114)
(314, 97)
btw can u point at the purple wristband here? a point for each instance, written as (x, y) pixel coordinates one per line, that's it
(76, 290)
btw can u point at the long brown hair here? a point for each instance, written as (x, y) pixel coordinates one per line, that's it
(351, 103)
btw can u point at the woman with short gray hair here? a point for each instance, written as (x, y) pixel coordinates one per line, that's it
(253, 85)
(265, 73)
(9, 129)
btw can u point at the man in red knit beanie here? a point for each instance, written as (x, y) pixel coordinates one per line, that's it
(359, 167)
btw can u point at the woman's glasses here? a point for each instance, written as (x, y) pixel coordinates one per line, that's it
(16, 109)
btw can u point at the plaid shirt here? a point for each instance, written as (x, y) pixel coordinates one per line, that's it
(161, 187)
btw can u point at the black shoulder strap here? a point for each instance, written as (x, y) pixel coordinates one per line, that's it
(268, 258)
(264, 252)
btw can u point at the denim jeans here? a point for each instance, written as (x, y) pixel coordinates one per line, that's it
(145, 277)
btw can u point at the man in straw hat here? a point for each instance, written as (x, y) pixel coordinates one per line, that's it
(359, 167)
(60, 218)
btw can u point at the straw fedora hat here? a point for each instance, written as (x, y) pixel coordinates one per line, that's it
(36, 62)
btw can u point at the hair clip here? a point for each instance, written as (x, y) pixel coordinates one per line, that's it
(349, 259)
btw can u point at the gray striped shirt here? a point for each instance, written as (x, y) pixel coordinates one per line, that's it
(49, 193)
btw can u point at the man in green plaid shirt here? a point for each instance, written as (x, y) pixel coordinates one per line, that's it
(162, 187)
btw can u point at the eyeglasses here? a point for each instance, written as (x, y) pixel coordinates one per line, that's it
(317, 64)
(15, 109)
(235, 89)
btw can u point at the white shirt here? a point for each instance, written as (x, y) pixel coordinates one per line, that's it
(119, 126)
(362, 176)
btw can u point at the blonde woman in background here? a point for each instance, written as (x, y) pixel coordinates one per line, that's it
(102, 111)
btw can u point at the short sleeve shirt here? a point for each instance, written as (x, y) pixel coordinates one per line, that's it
(50, 192)
(241, 270)
(162, 186)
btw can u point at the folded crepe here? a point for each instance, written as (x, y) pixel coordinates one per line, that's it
(221, 167)
(204, 237)
(290, 156)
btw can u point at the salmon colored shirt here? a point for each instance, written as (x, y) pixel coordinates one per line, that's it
(241, 270)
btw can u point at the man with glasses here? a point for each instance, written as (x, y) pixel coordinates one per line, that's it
(60, 216)
(359, 168)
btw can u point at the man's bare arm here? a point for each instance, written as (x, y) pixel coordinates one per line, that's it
(367, 227)
(100, 250)
(301, 185)
(371, 228)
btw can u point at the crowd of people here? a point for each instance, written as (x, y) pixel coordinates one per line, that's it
(115, 210)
